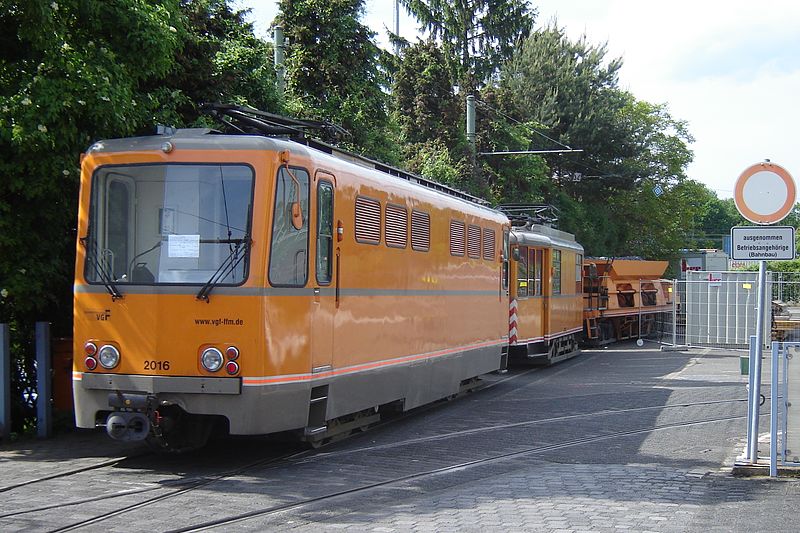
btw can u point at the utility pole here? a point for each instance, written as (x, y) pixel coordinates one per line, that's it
(280, 55)
(471, 122)
(471, 135)
(397, 26)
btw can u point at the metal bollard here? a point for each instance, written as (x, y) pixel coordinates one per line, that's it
(44, 389)
(674, 312)
(773, 414)
(5, 384)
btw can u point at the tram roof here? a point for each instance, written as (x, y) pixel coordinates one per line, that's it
(208, 139)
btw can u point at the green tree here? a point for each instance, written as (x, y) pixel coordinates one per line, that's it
(334, 73)
(510, 178)
(425, 104)
(476, 36)
(712, 218)
(68, 75)
(656, 144)
(570, 89)
(651, 225)
(429, 116)
(433, 160)
(72, 72)
(220, 60)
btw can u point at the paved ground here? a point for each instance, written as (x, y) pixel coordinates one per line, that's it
(617, 439)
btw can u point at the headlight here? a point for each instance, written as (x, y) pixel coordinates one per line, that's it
(108, 356)
(211, 359)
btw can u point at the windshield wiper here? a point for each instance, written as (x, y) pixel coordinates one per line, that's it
(102, 273)
(228, 265)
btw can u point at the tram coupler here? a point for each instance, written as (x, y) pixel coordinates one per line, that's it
(127, 426)
(132, 423)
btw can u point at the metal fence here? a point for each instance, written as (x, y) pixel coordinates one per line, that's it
(668, 327)
(784, 442)
(785, 294)
(789, 384)
(719, 309)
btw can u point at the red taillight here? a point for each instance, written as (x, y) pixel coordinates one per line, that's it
(90, 348)
(90, 362)
(232, 368)
(232, 352)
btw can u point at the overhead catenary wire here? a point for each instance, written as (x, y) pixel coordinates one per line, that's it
(528, 152)
(530, 128)
(567, 149)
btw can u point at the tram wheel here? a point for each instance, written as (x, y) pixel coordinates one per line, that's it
(180, 432)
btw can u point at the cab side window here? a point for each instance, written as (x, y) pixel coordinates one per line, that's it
(288, 260)
(535, 272)
(556, 271)
(522, 273)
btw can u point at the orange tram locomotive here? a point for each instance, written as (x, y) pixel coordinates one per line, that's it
(256, 284)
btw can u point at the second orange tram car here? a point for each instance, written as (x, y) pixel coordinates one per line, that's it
(546, 299)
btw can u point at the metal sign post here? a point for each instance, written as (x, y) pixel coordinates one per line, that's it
(755, 390)
(764, 194)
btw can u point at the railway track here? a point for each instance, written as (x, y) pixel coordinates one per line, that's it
(67, 473)
(266, 511)
(119, 461)
(165, 487)
(186, 485)
(168, 491)
(525, 423)
(192, 486)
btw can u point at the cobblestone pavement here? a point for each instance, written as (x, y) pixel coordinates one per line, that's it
(614, 440)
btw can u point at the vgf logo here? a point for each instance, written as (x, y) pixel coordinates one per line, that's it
(100, 315)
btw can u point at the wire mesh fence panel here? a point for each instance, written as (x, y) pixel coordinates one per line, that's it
(714, 309)
(658, 312)
(658, 327)
(789, 426)
(785, 297)
(720, 308)
(786, 287)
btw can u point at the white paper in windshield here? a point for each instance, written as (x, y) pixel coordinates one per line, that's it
(184, 245)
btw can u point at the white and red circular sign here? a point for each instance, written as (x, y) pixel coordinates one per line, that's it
(765, 193)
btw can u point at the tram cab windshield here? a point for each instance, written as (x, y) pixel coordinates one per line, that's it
(169, 224)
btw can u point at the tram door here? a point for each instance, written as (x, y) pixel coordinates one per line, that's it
(324, 281)
(547, 288)
(535, 289)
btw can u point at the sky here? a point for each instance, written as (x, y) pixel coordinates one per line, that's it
(730, 69)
